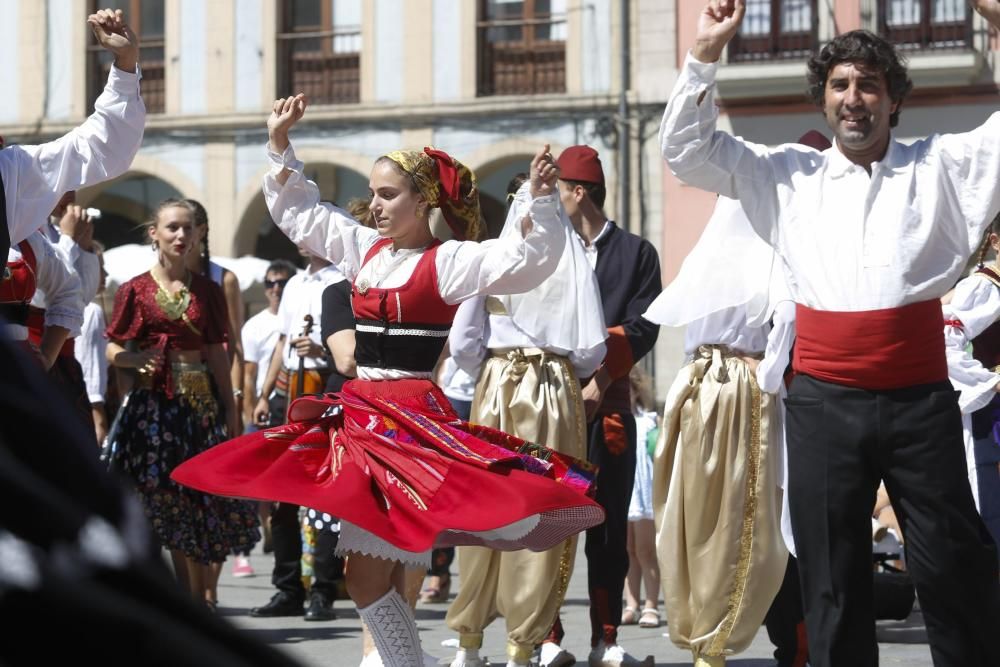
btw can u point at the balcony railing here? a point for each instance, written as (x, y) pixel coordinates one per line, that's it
(522, 57)
(926, 24)
(775, 30)
(325, 65)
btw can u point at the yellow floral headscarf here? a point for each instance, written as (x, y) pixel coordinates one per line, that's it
(446, 183)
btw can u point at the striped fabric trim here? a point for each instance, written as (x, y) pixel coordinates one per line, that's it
(397, 331)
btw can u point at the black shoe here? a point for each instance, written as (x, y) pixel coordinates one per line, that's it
(281, 604)
(320, 608)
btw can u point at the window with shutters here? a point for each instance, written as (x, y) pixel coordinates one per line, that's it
(775, 30)
(926, 24)
(145, 17)
(319, 50)
(522, 47)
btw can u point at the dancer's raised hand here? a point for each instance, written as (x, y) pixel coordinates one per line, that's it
(285, 113)
(717, 23)
(111, 31)
(544, 173)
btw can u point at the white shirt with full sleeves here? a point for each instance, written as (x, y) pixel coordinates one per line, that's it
(852, 241)
(725, 327)
(303, 295)
(778, 352)
(259, 335)
(976, 304)
(90, 350)
(35, 177)
(476, 331)
(465, 269)
(85, 263)
(59, 287)
(563, 315)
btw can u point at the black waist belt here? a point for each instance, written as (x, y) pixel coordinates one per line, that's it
(15, 313)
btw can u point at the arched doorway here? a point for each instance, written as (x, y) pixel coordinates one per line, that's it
(126, 205)
(494, 178)
(258, 235)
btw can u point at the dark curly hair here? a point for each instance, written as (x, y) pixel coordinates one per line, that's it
(864, 47)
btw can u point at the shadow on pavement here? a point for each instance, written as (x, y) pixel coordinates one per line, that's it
(297, 635)
(436, 613)
(576, 602)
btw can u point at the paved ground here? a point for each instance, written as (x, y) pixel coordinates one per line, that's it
(338, 642)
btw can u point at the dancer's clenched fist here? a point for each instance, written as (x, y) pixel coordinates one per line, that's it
(111, 31)
(284, 114)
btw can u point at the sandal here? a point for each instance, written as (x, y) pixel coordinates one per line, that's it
(630, 616)
(436, 595)
(650, 618)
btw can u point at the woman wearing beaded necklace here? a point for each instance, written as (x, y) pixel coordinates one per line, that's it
(183, 402)
(388, 454)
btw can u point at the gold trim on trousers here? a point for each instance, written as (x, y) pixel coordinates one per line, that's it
(717, 505)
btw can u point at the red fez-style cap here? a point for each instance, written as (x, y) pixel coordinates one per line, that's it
(815, 139)
(580, 163)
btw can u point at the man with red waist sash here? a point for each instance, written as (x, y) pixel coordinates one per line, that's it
(872, 232)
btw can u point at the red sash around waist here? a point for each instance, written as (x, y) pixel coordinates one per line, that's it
(872, 349)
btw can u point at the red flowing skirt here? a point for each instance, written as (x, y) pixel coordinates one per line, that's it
(393, 458)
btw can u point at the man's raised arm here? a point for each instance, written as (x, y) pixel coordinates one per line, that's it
(35, 177)
(695, 152)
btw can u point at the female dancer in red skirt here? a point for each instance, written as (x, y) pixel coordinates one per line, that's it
(388, 455)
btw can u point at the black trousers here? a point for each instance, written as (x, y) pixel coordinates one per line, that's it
(612, 447)
(841, 442)
(441, 560)
(785, 621)
(286, 536)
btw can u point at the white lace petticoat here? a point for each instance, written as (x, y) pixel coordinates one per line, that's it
(354, 539)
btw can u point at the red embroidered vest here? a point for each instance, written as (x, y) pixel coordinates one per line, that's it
(405, 327)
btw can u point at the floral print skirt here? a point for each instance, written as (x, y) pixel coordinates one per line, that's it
(154, 435)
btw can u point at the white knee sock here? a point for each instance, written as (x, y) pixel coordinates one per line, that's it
(391, 623)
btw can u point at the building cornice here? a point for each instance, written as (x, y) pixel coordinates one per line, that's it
(408, 115)
(786, 80)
